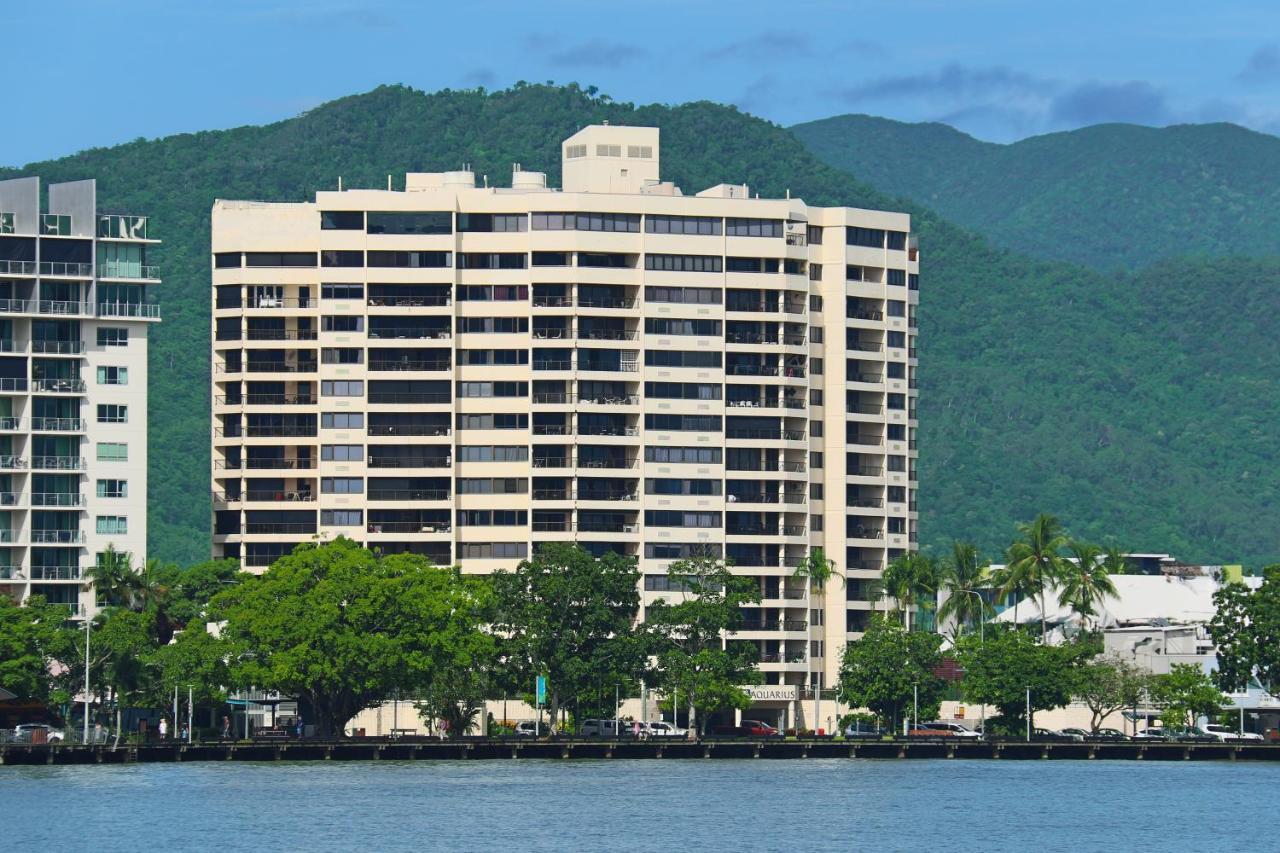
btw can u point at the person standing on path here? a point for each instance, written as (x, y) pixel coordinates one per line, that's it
(164, 728)
(226, 727)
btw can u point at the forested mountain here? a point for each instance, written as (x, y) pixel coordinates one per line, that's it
(1136, 407)
(1111, 196)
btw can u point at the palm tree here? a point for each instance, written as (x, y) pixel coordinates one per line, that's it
(964, 578)
(911, 578)
(818, 570)
(1034, 562)
(115, 580)
(1084, 582)
(1115, 561)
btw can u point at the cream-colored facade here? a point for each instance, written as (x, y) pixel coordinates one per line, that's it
(467, 371)
(75, 309)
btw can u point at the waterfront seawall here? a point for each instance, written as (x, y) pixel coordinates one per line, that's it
(378, 749)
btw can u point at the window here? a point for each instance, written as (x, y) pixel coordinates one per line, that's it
(113, 336)
(897, 525)
(493, 421)
(815, 303)
(492, 517)
(492, 550)
(853, 272)
(498, 453)
(871, 238)
(896, 401)
(815, 459)
(342, 420)
(913, 282)
(682, 358)
(608, 260)
(682, 487)
(112, 525)
(815, 491)
(641, 152)
(704, 225)
(616, 222)
(895, 370)
(342, 258)
(683, 455)
(280, 259)
(815, 396)
(896, 432)
(896, 340)
(492, 222)
(341, 485)
(896, 307)
(342, 220)
(410, 223)
(815, 523)
(816, 366)
(897, 240)
(550, 259)
(493, 261)
(682, 391)
(112, 413)
(414, 260)
(679, 550)
(753, 227)
(608, 150)
(342, 452)
(573, 152)
(342, 291)
(342, 388)
(341, 355)
(341, 323)
(492, 293)
(684, 263)
(227, 260)
(112, 451)
(815, 429)
(813, 234)
(898, 278)
(896, 463)
(815, 334)
(493, 389)
(673, 326)
(492, 486)
(683, 295)
(683, 423)
(113, 488)
(341, 517)
(676, 518)
(494, 325)
(493, 356)
(751, 264)
(113, 375)
(896, 494)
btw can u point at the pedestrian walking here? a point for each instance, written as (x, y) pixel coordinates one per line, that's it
(300, 727)
(226, 727)
(164, 728)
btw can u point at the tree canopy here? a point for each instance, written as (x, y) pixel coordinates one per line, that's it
(885, 668)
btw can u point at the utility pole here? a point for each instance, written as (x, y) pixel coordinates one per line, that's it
(1028, 715)
(88, 627)
(191, 713)
(915, 704)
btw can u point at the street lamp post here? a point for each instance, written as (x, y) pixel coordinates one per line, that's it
(1028, 715)
(915, 705)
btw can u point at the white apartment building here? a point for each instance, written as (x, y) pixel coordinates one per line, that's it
(466, 371)
(75, 284)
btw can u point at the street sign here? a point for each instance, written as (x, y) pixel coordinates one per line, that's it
(540, 690)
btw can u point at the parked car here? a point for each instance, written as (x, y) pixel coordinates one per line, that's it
(747, 728)
(528, 728)
(1226, 733)
(1152, 733)
(25, 733)
(1191, 734)
(1051, 736)
(660, 728)
(1108, 734)
(939, 729)
(862, 730)
(1072, 734)
(609, 728)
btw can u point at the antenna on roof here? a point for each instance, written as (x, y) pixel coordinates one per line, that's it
(788, 192)
(388, 183)
(339, 183)
(486, 182)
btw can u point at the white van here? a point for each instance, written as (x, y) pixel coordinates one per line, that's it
(609, 728)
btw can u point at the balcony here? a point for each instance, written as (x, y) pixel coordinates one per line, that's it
(57, 537)
(409, 527)
(139, 310)
(281, 367)
(56, 573)
(13, 385)
(280, 335)
(278, 528)
(550, 494)
(410, 461)
(269, 400)
(126, 269)
(57, 463)
(408, 301)
(63, 309)
(409, 429)
(607, 335)
(10, 424)
(274, 496)
(13, 463)
(773, 625)
(274, 431)
(60, 269)
(57, 424)
(57, 347)
(408, 494)
(57, 499)
(10, 498)
(272, 464)
(613, 463)
(58, 386)
(23, 268)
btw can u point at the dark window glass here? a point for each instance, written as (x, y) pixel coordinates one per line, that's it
(872, 238)
(341, 258)
(410, 223)
(684, 263)
(342, 220)
(551, 259)
(227, 260)
(280, 259)
(682, 358)
(897, 240)
(897, 277)
(753, 227)
(417, 260)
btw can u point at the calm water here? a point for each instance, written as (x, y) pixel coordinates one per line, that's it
(643, 805)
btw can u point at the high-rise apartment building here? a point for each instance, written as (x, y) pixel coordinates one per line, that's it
(466, 371)
(75, 286)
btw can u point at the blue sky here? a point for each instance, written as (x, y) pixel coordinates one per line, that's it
(84, 73)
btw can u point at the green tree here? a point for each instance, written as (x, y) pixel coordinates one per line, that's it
(912, 579)
(820, 572)
(1034, 562)
(1108, 684)
(569, 616)
(456, 697)
(1246, 631)
(29, 638)
(1115, 561)
(1000, 670)
(114, 579)
(1083, 582)
(194, 659)
(341, 627)
(964, 582)
(882, 670)
(1186, 693)
(694, 655)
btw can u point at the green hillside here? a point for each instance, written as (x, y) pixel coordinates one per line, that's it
(1110, 196)
(1044, 386)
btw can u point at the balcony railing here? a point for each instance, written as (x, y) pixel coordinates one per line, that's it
(57, 537)
(17, 267)
(607, 495)
(408, 494)
(10, 498)
(58, 463)
(547, 364)
(145, 310)
(407, 364)
(409, 334)
(270, 400)
(281, 366)
(549, 494)
(13, 384)
(606, 463)
(269, 464)
(410, 462)
(57, 347)
(389, 397)
(58, 386)
(57, 424)
(607, 303)
(409, 301)
(63, 309)
(275, 431)
(278, 527)
(409, 527)
(280, 335)
(274, 496)
(607, 335)
(57, 499)
(12, 463)
(409, 429)
(66, 268)
(56, 573)
(126, 269)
